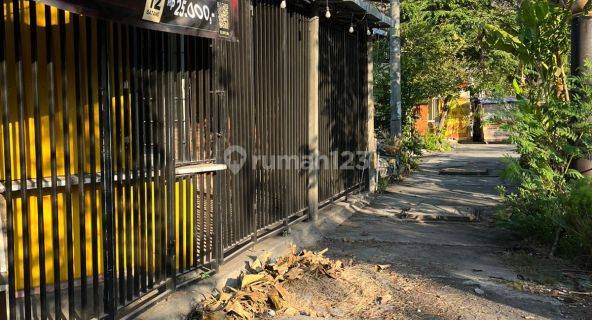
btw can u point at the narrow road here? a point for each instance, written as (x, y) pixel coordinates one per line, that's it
(446, 256)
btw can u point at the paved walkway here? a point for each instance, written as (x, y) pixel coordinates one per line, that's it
(460, 268)
(447, 258)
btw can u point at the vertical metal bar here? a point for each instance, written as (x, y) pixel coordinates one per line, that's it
(192, 227)
(126, 161)
(201, 150)
(204, 90)
(141, 154)
(163, 148)
(20, 101)
(209, 148)
(160, 159)
(181, 139)
(170, 164)
(117, 146)
(217, 62)
(107, 171)
(253, 51)
(266, 53)
(146, 113)
(7, 167)
(217, 211)
(66, 155)
(81, 159)
(51, 81)
(277, 104)
(285, 117)
(155, 114)
(139, 279)
(226, 59)
(38, 158)
(93, 163)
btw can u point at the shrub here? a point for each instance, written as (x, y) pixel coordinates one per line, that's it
(405, 150)
(436, 142)
(538, 217)
(553, 202)
(577, 218)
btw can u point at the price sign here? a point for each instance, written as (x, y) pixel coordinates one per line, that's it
(196, 14)
(205, 18)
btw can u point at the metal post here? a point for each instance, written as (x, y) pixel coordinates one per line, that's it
(581, 33)
(218, 187)
(3, 260)
(106, 172)
(395, 68)
(313, 117)
(371, 138)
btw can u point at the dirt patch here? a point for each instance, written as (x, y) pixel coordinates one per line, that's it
(307, 285)
(262, 290)
(362, 292)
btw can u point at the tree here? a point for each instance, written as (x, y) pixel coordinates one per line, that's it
(540, 40)
(442, 51)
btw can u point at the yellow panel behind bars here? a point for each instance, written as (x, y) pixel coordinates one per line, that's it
(183, 214)
(44, 131)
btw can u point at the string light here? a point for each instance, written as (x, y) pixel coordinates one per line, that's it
(327, 11)
(351, 27)
(283, 4)
(368, 32)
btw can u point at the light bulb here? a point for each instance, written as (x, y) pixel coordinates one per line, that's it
(351, 29)
(368, 32)
(327, 13)
(283, 4)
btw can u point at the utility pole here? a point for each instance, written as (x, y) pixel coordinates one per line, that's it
(581, 35)
(395, 68)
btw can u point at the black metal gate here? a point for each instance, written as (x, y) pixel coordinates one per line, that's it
(342, 109)
(113, 137)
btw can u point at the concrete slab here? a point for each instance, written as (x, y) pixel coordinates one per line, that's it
(464, 172)
(429, 195)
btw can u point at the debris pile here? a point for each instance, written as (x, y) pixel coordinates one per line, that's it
(261, 290)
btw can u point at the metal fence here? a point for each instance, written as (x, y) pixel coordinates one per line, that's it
(342, 110)
(110, 139)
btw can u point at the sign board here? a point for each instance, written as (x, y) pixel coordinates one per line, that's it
(204, 18)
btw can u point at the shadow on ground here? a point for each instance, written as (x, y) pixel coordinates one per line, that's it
(460, 267)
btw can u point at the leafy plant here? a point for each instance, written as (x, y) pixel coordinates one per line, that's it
(550, 127)
(383, 183)
(406, 150)
(436, 142)
(541, 42)
(577, 220)
(548, 138)
(539, 215)
(382, 84)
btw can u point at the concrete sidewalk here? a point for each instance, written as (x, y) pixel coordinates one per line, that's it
(465, 192)
(459, 265)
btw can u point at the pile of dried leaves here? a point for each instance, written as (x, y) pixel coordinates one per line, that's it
(261, 288)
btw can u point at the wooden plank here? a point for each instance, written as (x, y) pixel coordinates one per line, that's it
(200, 168)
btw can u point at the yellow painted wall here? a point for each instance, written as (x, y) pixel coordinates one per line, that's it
(458, 123)
(182, 216)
